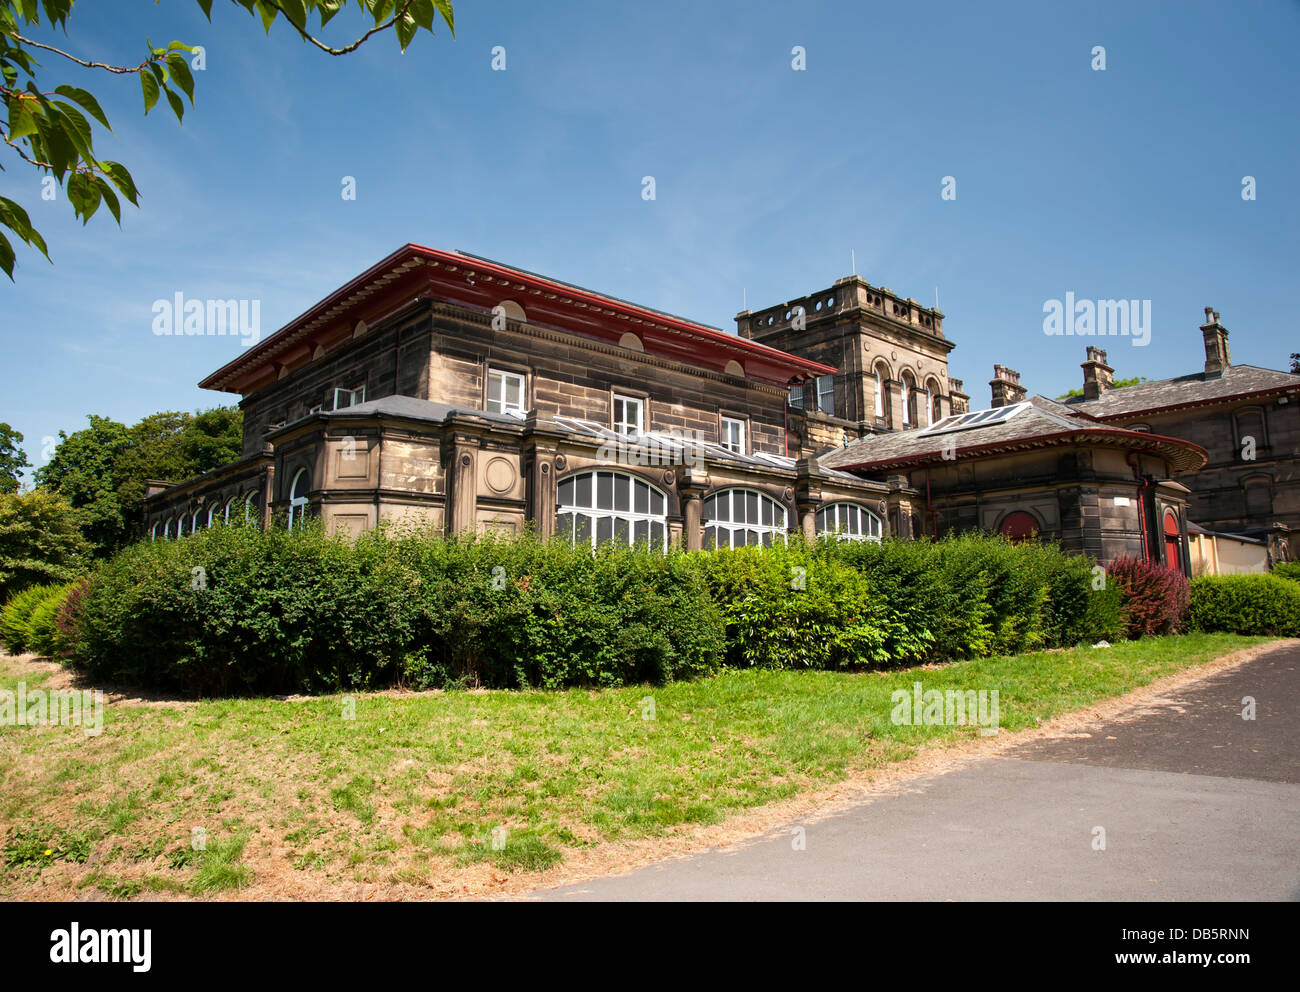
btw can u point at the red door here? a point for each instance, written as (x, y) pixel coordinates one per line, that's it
(1019, 526)
(1173, 542)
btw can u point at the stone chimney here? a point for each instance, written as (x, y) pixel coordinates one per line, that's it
(1217, 359)
(960, 401)
(1005, 386)
(1097, 375)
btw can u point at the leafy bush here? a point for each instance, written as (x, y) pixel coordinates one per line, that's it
(1154, 596)
(233, 609)
(15, 618)
(1287, 570)
(41, 624)
(789, 608)
(1245, 604)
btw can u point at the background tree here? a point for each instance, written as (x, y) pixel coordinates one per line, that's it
(47, 125)
(1295, 362)
(82, 471)
(12, 459)
(103, 469)
(40, 541)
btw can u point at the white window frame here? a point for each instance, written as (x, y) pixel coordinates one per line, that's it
(153, 531)
(736, 426)
(298, 504)
(732, 527)
(595, 512)
(502, 406)
(167, 529)
(796, 397)
(248, 506)
(907, 400)
(844, 516)
(354, 397)
(629, 402)
(826, 387)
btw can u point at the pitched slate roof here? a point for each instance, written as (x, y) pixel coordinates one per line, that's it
(1040, 422)
(1237, 381)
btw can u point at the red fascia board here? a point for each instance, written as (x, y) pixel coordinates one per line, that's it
(1039, 440)
(670, 336)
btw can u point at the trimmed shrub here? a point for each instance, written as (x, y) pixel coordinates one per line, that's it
(40, 626)
(1153, 596)
(1245, 604)
(789, 607)
(233, 609)
(1288, 570)
(16, 617)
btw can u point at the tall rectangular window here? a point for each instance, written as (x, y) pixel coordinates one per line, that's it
(826, 394)
(733, 434)
(505, 392)
(628, 415)
(796, 396)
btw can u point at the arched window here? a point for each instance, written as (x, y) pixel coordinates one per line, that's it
(250, 508)
(225, 513)
(909, 400)
(734, 518)
(1019, 526)
(180, 525)
(298, 498)
(849, 522)
(594, 507)
(153, 531)
(194, 521)
(1173, 541)
(936, 405)
(167, 528)
(880, 392)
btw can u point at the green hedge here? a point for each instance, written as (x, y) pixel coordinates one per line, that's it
(1245, 604)
(236, 610)
(233, 609)
(1288, 570)
(17, 627)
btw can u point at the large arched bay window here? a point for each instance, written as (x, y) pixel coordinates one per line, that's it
(298, 498)
(593, 507)
(849, 522)
(909, 399)
(735, 518)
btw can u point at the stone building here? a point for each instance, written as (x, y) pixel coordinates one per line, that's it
(1246, 418)
(452, 392)
(449, 391)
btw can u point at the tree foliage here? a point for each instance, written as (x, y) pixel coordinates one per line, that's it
(102, 470)
(40, 541)
(52, 127)
(12, 459)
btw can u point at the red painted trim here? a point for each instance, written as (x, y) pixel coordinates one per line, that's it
(663, 335)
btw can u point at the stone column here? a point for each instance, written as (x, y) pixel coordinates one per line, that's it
(542, 490)
(691, 484)
(463, 481)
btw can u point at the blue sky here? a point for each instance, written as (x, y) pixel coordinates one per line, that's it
(1122, 183)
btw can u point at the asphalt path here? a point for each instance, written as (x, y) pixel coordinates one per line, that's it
(1180, 799)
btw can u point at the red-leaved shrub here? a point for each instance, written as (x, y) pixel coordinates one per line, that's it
(1153, 597)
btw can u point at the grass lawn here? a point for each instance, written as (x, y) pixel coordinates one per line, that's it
(294, 799)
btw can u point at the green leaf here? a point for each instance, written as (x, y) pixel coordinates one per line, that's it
(181, 74)
(6, 256)
(83, 194)
(86, 100)
(206, 7)
(106, 191)
(150, 87)
(406, 29)
(444, 8)
(178, 105)
(76, 127)
(116, 171)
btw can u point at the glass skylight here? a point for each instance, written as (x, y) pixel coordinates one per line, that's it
(978, 418)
